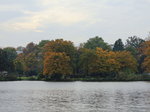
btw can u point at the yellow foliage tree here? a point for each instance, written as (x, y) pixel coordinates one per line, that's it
(127, 61)
(57, 64)
(60, 45)
(146, 51)
(63, 46)
(105, 63)
(146, 64)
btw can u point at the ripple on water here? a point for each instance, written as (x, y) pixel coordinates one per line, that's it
(38, 96)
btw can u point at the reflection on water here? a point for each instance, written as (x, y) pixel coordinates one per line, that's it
(26, 96)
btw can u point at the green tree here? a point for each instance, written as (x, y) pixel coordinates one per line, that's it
(133, 45)
(11, 55)
(118, 46)
(30, 48)
(19, 64)
(42, 43)
(95, 42)
(3, 60)
(31, 64)
(86, 60)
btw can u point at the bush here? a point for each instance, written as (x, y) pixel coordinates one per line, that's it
(9, 77)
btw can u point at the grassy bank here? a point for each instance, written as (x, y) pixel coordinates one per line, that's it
(123, 77)
(32, 78)
(127, 78)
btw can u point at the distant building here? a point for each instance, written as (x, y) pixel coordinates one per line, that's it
(112, 46)
(20, 48)
(19, 52)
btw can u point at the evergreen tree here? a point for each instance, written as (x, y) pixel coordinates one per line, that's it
(118, 46)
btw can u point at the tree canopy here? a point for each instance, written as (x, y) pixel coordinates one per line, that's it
(118, 46)
(95, 42)
(58, 59)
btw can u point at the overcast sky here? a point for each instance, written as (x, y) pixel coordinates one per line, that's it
(24, 21)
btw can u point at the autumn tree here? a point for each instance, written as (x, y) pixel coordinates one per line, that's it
(60, 45)
(57, 65)
(106, 63)
(145, 49)
(98, 62)
(127, 61)
(63, 46)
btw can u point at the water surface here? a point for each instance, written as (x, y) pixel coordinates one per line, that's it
(39, 96)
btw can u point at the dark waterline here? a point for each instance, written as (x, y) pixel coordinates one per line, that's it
(40, 96)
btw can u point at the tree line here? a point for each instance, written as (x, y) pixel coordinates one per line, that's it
(61, 59)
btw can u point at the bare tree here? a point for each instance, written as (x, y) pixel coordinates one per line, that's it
(148, 37)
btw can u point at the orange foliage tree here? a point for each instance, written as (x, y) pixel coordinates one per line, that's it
(57, 64)
(98, 62)
(63, 46)
(60, 45)
(105, 63)
(127, 61)
(146, 52)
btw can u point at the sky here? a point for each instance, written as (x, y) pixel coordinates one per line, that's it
(24, 21)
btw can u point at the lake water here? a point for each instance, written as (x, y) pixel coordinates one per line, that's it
(39, 96)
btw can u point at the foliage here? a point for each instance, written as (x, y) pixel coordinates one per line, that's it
(86, 60)
(60, 45)
(3, 60)
(118, 46)
(127, 61)
(94, 60)
(11, 56)
(9, 77)
(145, 49)
(31, 47)
(95, 42)
(134, 42)
(11, 53)
(106, 63)
(42, 43)
(63, 46)
(57, 64)
(99, 62)
(29, 62)
(19, 64)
